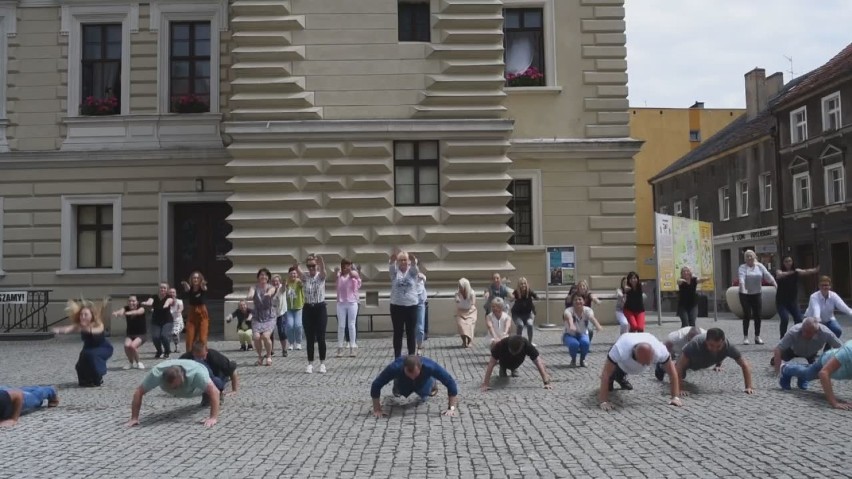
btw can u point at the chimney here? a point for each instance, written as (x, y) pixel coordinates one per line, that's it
(755, 92)
(773, 85)
(698, 105)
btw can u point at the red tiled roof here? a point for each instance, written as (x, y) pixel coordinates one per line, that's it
(838, 67)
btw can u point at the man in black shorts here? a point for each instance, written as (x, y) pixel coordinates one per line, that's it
(510, 353)
(709, 350)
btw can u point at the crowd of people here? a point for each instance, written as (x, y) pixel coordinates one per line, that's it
(296, 310)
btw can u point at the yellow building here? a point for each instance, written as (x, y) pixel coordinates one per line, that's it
(668, 133)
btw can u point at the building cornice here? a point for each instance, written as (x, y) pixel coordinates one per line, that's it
(367, 129)
(65, 159)
(545, 148)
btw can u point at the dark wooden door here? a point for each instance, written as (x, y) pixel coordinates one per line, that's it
(841, 276)
(200, 243)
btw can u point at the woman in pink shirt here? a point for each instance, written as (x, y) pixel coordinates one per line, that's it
(348, 287)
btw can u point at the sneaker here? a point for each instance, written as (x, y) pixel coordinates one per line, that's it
(309, 369)
(158, 355)
(625, 384)
(745, 341)
(299, 346)
(166, 356)
(339, 353)
(573, 362)
(272, 353)
(534, 345)
(127, 367)
(582, 363)
(353, 349)
(757, 340)
(290, 347)
(772, 361)
(140, 366)
(803, 384)
(250, 348)
(322, 368)
(346, 345)
(514, 373)
(242, 347)
(284, 353)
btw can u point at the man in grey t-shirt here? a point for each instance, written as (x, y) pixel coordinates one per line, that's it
(711, 349)
(803, 340)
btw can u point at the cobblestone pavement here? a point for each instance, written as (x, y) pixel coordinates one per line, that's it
(285, 423)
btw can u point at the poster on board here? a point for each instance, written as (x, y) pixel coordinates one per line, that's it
(561, 265)
(683, 242)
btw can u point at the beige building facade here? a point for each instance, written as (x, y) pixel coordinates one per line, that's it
(474, 133)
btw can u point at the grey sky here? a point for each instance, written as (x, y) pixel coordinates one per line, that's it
(682, 51)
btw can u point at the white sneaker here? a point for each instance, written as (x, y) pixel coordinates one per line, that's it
(140, 366)
(534, 345)
(309, 369)
(290, 347)
(346, 345)
(322, 369)
(298, 346)
(353, 346)
(128, 367)
(757, 340)
(745, 341)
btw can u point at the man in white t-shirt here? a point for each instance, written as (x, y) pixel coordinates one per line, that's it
(633, 353)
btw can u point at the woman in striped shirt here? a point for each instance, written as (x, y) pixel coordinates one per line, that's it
(314, 313)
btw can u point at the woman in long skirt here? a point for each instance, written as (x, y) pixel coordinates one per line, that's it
(466, 312)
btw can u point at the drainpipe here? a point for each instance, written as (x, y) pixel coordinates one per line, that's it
(779, 215)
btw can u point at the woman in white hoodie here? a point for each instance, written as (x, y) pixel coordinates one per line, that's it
(823, 303)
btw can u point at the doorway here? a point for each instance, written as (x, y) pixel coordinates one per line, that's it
(200, 243)
(840, 269)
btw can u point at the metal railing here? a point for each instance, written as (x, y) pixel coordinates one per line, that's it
(29, 315)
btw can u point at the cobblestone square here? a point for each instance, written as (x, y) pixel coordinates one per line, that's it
(285, 423)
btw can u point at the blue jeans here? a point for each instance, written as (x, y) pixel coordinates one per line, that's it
(804, 372)
(577, 343)
(834, 326)
(34, 396)
(294, 327)
(406, 389)
(785, 312)
(421, 323)
(281, 325)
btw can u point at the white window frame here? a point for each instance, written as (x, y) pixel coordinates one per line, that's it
(549, 25)
(8, 26)
(827, 113)
(742, 198)
(73, 17)
(794, 125)
(797, 206)
(829, 184)
(68, 249)
(724, 203)
(765, 185)
(678, 208)
(162, 14)
(693, 208)
(535, 180)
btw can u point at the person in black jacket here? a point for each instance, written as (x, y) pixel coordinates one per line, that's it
(523, 308)
(220, 367)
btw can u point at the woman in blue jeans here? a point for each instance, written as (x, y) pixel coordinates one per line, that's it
(421, 313)
(577, 320)
(787, 294)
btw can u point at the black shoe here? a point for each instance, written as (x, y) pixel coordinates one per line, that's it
(514, 373)
(250, 347)
(625, 384)
(772, 361)
(502, 372)
(284, 353)
(582, 363)
(158, 355)
(659, 373)
(573, 363)
(242, 347)
(166, 356)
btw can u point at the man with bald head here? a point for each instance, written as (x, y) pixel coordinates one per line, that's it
(804, 340)
(633, 353)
